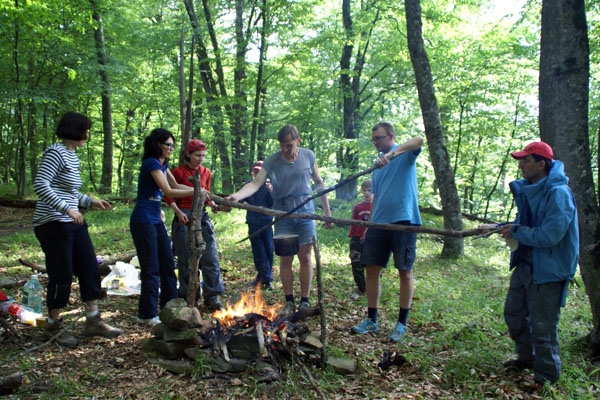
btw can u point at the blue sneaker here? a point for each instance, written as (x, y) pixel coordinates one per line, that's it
(398, 332)
(366, 326)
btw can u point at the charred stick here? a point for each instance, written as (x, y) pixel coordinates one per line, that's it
(262, 350)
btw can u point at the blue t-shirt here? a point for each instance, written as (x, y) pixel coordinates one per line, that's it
(291, 180)
(395, 190)
(149, 196)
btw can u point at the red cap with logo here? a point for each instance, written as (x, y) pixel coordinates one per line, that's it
(536, 148)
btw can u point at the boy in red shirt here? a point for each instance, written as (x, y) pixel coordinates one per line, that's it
(360, 212)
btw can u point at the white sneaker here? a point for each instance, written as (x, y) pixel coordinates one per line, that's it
(149, 321)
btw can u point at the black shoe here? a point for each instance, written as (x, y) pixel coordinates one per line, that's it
(213, 303)
(267, 286)
(518, 365)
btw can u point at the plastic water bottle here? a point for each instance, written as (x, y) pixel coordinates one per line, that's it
(32, 294)
(23, 314)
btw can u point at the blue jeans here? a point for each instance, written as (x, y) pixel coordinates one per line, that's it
(262, 252)
(157, 267)
(209, 262)
(304, 228)
(532, 312)
(69, 251)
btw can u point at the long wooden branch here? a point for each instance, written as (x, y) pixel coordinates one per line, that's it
(196, 244)
(346, 222)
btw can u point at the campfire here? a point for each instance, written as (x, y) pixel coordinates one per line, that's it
(246, 334)
(248, 304)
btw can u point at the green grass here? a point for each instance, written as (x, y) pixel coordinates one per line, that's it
(457, 337)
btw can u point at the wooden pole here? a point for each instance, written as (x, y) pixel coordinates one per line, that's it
(347, 222)
(321, 302)
(196, 244)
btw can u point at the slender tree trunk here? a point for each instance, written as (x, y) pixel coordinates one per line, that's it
(213, 95)
(433, 129)
(350, 84)
(257, 139)
(241, 161)
(564, 80)
(107, 156)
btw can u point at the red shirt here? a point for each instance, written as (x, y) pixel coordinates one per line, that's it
(181, 174)
(360, 212)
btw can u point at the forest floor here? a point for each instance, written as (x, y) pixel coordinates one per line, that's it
(123, 368)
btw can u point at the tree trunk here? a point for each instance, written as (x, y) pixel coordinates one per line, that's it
(564, 79)
(257, 131)
(433, 129)
(350, 84)
(241, 162)
(107, 157)
(213, 95)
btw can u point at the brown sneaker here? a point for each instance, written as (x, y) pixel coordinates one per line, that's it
(64, 339)
(94, 326)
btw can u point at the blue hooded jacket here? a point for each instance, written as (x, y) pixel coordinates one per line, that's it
(552, 231)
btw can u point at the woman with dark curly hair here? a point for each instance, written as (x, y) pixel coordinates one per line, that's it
(150, 237)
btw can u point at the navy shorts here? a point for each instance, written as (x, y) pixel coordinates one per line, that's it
(381, 243)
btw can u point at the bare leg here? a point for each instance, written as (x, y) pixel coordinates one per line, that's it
(373, 275)
(286, 274)
(407, 288)
(306, 269)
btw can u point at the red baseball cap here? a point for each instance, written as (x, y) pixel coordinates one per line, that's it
(537, 148)
(195, 145)
(257, 166)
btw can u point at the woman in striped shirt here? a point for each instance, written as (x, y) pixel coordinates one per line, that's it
(63, 233)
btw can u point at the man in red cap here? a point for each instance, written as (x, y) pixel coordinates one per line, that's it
(213, 286)
(543, 263)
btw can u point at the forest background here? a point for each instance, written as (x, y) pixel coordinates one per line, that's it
(478, 78)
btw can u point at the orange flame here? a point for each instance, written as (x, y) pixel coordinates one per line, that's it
(248, 303)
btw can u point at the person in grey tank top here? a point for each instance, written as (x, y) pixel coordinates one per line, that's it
(291, 170)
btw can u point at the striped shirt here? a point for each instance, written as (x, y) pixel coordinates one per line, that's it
(57, 186)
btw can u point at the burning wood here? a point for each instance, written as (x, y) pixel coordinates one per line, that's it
(250, 330)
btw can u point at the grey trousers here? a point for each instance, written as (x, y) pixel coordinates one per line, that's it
(532, 312)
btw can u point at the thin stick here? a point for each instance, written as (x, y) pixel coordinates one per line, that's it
(48, 342)
(321, 302)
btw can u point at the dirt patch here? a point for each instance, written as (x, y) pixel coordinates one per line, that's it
(14, 220)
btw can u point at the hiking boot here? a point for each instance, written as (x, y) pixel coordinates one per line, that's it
(518, 365)
(366, 326)
(398, 332)
(288, 309)
(94, 326)
(213, 303)
(64, 339)
(149, 321)
(304, 305)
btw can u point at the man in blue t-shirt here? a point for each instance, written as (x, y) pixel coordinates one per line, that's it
(395, 201)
